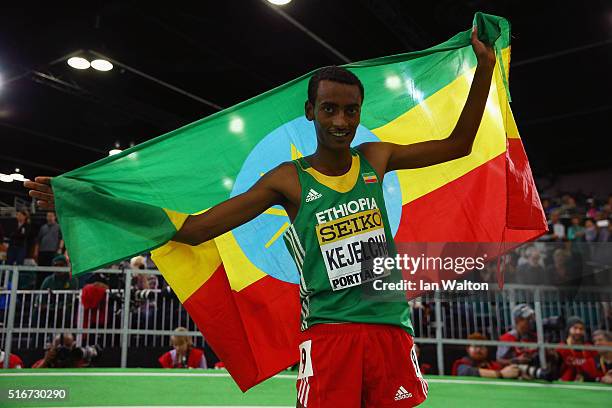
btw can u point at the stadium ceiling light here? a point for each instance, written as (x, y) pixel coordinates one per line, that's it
(78, 63)
(236, 125)
(17, 176)
(113, 152)
(6, 178)
(393, 82)
(101, 65)
(279, 2)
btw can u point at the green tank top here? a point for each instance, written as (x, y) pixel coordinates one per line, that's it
(337, 215)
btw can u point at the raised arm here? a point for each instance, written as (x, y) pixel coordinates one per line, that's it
(223, 217)
(394, 157)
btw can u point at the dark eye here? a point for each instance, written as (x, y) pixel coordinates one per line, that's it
(328, 109)
(352, 111)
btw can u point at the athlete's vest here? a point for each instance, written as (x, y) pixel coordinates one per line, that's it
(336, 215)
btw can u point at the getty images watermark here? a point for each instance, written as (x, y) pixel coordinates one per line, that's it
(446, 269)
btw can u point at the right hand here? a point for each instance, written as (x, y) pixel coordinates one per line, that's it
(41, 190)
(511, 371)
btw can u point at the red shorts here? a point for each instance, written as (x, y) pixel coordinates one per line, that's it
(358, 365)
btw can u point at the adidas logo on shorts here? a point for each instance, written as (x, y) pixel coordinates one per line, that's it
(312, 195)
(402, 394)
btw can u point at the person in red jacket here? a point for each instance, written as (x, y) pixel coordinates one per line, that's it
(477, 363)
(577, 365)
(603, 362)
(183, 355)
(14, 360)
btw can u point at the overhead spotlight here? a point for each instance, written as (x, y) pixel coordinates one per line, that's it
(393, 82)
(78, 63)
(101, 65)
(18, 177)
(114, 151)
(236, 125)
(279, 2)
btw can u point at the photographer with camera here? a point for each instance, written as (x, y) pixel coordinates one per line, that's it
(523, 331)
(477, 364)
(62, 352)
(525, 358)
(577, 365)
(183, 354)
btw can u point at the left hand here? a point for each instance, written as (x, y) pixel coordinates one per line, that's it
(485, 54)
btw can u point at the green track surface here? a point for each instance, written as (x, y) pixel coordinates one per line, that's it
(151, 387)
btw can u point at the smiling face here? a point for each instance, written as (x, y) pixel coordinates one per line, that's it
(336, 114)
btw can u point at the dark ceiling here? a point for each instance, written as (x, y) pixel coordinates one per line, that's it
(54, 118)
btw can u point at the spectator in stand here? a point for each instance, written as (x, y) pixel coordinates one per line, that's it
(14, 360)
(477, 363)
(556, 229)
(591, 208)
(603, 362)
(577, 365)
(19, 242)
(560, 272)
(49, 242)
(57, 311)
(546, 206)
(183, 354)
(603, 227)
(60, 280)
(523, 317)
(18, 239)
(531, 272)
(576, 231)
(590, 230)
(142, 281)
(568, 204)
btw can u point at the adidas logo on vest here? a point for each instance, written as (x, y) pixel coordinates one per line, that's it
(312, 195)
(402, 394)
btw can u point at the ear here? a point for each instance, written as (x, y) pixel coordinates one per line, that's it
(309, 110)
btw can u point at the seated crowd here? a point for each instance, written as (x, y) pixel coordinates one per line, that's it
(564, 364)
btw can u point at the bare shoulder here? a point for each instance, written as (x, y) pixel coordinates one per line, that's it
(377, 154)
(283, 172)
(284, 180)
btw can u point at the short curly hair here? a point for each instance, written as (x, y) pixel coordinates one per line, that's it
(335, 74)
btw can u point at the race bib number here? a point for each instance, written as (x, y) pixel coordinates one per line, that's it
(305, 361)
(349, 245)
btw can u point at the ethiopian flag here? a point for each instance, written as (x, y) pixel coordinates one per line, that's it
(241, 289)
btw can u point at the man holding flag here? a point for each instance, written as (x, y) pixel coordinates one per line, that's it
(335, 202)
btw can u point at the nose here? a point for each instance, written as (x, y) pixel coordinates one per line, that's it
(340, 121)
